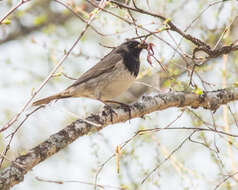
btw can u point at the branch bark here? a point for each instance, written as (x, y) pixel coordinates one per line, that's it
(15, 172)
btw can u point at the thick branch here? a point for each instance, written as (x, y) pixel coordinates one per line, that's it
(14, 173)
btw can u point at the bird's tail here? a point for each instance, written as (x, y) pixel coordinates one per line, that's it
(49, 99)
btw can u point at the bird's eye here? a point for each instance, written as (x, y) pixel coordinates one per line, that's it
(136, 45)
(133, 45)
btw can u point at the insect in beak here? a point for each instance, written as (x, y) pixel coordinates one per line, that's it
(150, 52)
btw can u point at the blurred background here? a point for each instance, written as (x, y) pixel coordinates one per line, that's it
(36, 36)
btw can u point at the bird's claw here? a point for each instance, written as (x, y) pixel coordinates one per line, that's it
(110, 110)
(126, 108)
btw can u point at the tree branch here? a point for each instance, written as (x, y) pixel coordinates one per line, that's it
(201, 46)
(14, 173)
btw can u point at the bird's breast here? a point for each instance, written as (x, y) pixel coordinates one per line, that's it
(117, 82)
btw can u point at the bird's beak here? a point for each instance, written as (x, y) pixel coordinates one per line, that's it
(143, 45)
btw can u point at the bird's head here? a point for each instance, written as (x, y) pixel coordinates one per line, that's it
(132, 47)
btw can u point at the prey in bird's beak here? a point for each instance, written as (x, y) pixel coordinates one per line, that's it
(149, 48)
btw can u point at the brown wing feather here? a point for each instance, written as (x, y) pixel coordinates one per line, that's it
(105, 65)
(49, 99)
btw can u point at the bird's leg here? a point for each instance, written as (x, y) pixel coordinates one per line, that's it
(124, 106)
(108, 107)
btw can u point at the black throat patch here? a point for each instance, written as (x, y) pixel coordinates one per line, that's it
(131, 61)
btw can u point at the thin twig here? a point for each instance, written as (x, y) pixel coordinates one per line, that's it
(58, 181)
(189, 128)
(4, 153)
(225, 179)
(168, 157)
(58, 65)
(12, 10)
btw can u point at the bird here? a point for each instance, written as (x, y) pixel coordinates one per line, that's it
(109, 78)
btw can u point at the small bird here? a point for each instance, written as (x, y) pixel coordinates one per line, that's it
(109, 78)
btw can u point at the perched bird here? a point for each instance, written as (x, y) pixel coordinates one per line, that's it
(110, 77)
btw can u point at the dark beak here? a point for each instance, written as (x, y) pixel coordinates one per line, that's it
(143, 45)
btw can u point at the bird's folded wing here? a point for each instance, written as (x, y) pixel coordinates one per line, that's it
(105, 65)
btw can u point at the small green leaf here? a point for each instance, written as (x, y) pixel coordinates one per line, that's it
(6, 21)
(40, 19)
(198, 91)
(57, 74)
(235, 84)
(167, 21)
